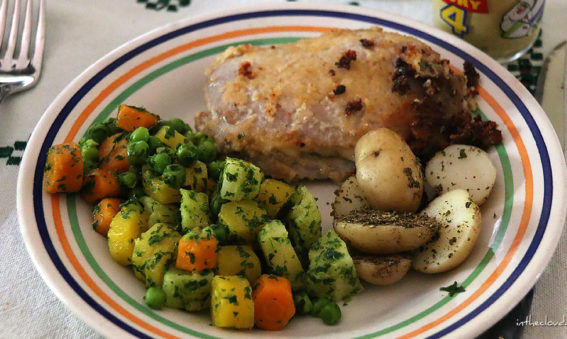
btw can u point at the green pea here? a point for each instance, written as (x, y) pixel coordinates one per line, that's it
(159, 162)
(98, 132)
(167, 150)
(187, 155)
(318, 305)
(137, 152)
(174, 175)
(214, 168)
(178, 125)
(89, 150)
(155, 297)
(330, 313)
(154, 143)
(302, 303)
(140, 134)
(128, 179)
(207, 151)
(197, 137)
(112, 125)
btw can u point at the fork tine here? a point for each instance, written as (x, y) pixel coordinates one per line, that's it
(39, 38)
(3, 11)
(25, 43)
(13, 37)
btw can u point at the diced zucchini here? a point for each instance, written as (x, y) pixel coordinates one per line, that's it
(240, 180)
(158, 190)
(194, 210)
(231, 302)
(304, 222)
(159, 213)
(279, 253)
(273, 195)
(331, 272)
(190, 291)
(244, 219)
(196, 177)
(153, 251)
(124, 228)
(239, 260)
(170, 137)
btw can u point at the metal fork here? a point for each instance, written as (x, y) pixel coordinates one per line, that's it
(20, 72)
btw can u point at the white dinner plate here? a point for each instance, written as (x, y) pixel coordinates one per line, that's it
(163, 71)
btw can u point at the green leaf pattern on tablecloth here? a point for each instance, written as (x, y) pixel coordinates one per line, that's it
(167, 5)
(13, 154)
(527, 68)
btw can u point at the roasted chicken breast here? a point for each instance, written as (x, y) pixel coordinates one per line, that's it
(298, 109)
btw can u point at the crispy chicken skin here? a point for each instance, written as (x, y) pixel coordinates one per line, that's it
(297, 110)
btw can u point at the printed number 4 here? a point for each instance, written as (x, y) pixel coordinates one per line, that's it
(455, 17)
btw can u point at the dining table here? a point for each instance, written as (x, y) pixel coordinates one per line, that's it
(78, 33)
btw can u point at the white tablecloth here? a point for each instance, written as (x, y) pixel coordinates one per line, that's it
(79, 32)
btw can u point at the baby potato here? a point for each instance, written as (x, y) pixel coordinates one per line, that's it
(388, 172)
(349, 197)
(461, 220)
(462, 166)
(379, 232)
(381, 270)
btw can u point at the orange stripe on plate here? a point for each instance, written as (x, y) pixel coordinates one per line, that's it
(526, 165)
(179, 49)
(152, 61)
(56, 205)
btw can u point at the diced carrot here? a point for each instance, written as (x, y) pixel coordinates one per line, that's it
(130, 118)
(103, 213)
(113, 153)
(273, 302)
(63, 170)
(100, 184)
(197, 251)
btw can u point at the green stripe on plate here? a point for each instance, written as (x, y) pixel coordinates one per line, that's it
(73, 218)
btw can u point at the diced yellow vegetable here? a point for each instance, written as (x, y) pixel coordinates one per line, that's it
(244, 219)
(231, 302)
(158, 190)
(239, 260)
(159, 213)
(187, 290)
(170, 137)
(152, 251)
(196, 177)
(273, 195)
(240, 180)
(124, 228)
(194, 210)
(280, 255)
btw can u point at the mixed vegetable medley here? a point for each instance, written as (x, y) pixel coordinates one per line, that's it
(207, 231)
(201, 230)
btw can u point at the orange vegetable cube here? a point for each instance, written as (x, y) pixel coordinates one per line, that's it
(63, 170)
(103, 213)
(131, 117)
(100, 184)
(273, 302)
(197, 251)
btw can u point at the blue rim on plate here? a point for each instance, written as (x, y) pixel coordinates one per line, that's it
(548, 189)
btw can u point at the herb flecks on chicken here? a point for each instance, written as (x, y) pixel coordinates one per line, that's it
(303, 110)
